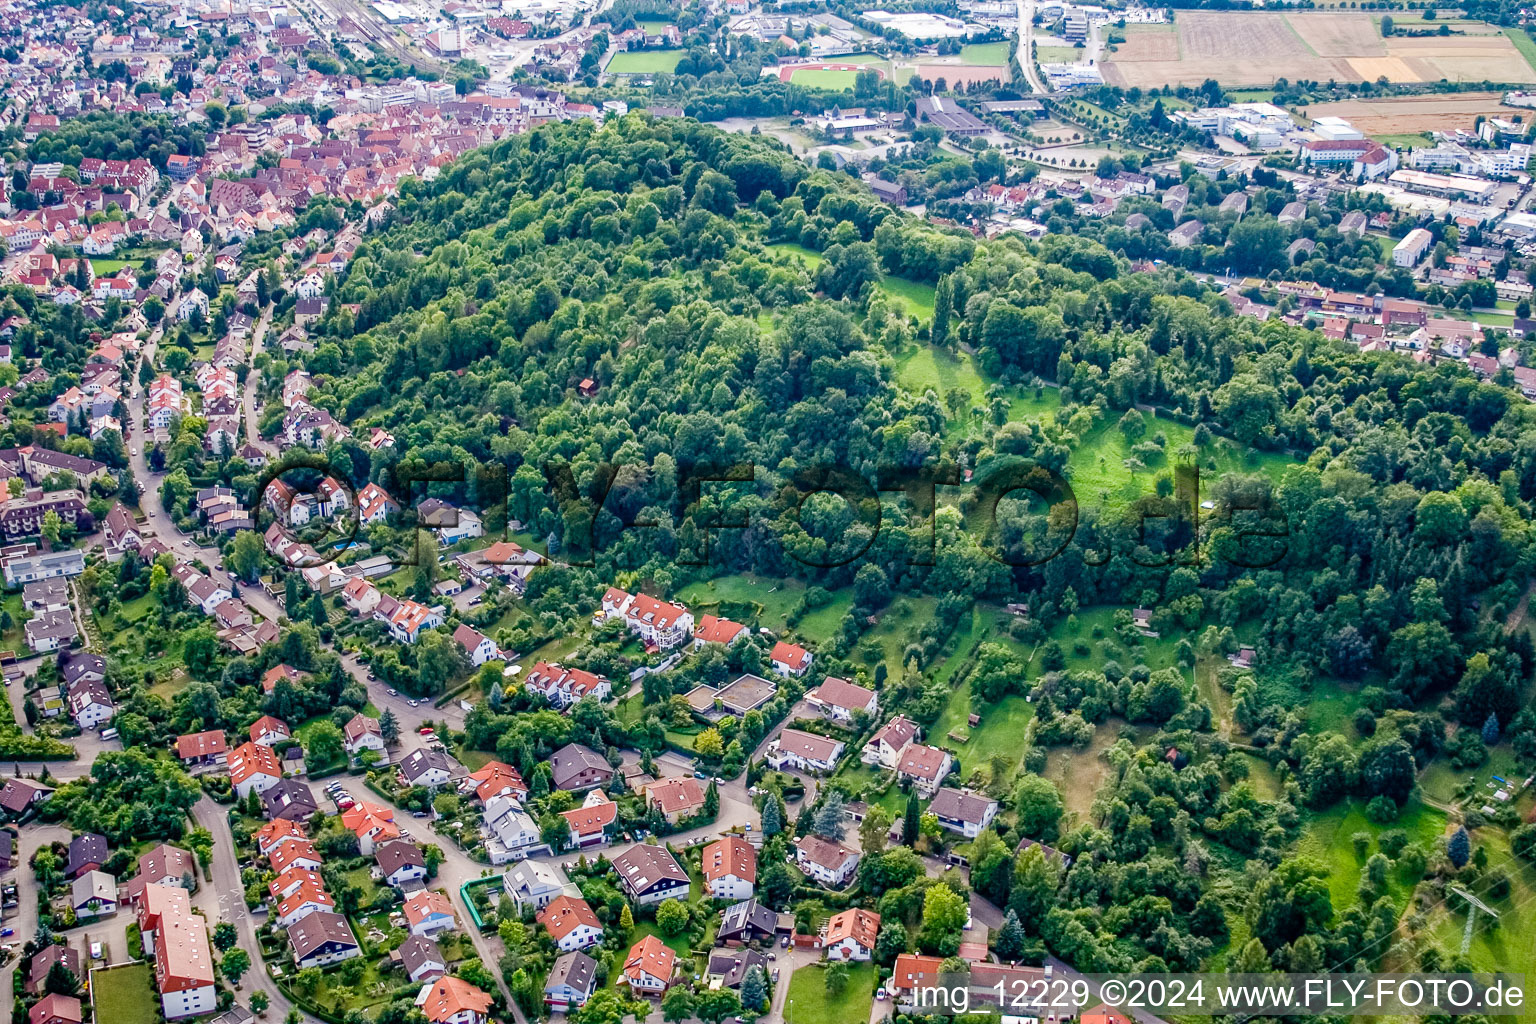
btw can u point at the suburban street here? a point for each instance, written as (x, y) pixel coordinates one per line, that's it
(224, 900)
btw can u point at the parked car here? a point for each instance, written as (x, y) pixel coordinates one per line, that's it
(96, 951)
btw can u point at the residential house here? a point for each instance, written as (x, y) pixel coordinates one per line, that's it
(804, 751)
(650, 874)
(420, 958)
(570, 983)
(401, 863)
(592, 823)
(363, 733)
(886, 746)
(747, 921)
(790, 659)
(648, 967)
(678, 799)
(714, 630)
(575, 767)
(55, 1008)
(290, 799)
(202, 748)
(433, 769)
(510, 832)
(571, 923)
(924, 766)
(727, 968)
(839, 700)
(962, 811)
(87, 852)
(322, 939)
(270, 732)
(850, 934)
(479, 647)
(659, 624)
(429, 913)
(532, 884)
(253, 768)
(729, 865)
(43, 962)
(452, 1000)
(93, 894)
(829, 863)
(372, 823)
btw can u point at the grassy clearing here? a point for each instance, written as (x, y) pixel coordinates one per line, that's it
(645, 62)
(775, 599)
(984, 54)
(1407, 141)
(1443, 783)
(916, 298)
(125, 995)
(1080, 774)
(106, 268)
(810, 1001)
(822, 623)
(1058, 54)
(1329, 837)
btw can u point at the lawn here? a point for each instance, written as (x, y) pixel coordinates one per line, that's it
(1329, 838)
(822, 78)
(125, 995)
(1058, 54)
(984, 54)
(106, 268)
(810, 1000)
(773, 599)
(644, 62)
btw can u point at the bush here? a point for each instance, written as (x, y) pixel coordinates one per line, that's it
(1381, 810)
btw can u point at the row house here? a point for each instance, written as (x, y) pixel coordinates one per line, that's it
(563, 687)
(660, 624)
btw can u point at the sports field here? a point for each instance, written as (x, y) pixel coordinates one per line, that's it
(1254, 48)
(838, 76)
(645, 62)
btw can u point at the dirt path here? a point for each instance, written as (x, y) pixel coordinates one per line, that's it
(1517, 617)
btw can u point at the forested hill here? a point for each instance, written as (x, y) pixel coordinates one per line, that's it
(641, 254)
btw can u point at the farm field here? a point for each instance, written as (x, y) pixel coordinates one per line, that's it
(645, 62)
(1386, 118)
(1256, 48)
